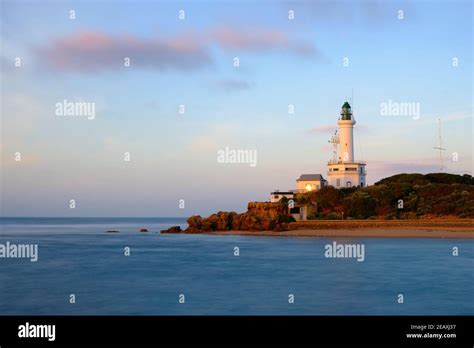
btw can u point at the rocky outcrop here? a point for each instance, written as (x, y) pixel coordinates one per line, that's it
(173, 229)
(195, 222)
(260, 216)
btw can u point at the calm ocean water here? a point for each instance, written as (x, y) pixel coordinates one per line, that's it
(76, 256)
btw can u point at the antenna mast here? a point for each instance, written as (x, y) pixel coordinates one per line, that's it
(334, 141)
(439, 147)
(352, 102)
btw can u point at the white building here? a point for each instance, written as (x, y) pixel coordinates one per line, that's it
(276, 195)
(305, 183)
(343, 169)
(310, 182)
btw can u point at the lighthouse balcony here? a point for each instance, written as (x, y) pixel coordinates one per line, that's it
(346, 168)
(360, 171)
(342, 162)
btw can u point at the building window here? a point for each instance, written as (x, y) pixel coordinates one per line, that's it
(276, 197)
(361, 184)
(338, 182)
(348, 184)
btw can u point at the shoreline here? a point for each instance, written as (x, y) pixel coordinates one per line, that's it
(364, 233)
(453, 228)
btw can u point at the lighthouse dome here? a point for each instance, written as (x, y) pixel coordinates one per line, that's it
(346, 112)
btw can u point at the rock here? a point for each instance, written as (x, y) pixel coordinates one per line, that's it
(222, 221)
(192, 231)
(173, 229)
(210, 223)
(195, 221)
(249, 222)
(260, 216)
(236, 222)
(143, 230)
(112, 231)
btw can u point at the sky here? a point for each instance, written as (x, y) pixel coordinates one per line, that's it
(367, 52)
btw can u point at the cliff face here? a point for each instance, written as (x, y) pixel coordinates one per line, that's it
(260, 216)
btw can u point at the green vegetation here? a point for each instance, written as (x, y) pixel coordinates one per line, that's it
(402, 196)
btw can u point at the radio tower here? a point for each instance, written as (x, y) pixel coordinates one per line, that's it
(439, 147)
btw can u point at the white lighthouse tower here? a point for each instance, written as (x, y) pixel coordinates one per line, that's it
(343, 169)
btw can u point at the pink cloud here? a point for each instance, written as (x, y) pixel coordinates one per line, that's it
(259, 40)
(331, 128)
(421, 165)
(327, 148)
(91, 51)
(326, 128)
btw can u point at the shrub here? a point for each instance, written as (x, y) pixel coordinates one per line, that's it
(362, 205)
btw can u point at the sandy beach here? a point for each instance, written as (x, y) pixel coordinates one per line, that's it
(456, 228)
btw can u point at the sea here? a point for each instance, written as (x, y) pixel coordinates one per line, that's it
(83, 270)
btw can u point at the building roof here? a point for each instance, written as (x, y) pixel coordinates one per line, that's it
(310, 177)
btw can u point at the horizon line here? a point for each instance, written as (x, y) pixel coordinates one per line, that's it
(94, 217)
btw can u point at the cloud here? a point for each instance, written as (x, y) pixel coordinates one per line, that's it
(5, 64)
(10, 50)
(215, 137)
(260, 40)
(452, 117)
(203, 143)
(421, 165)
(373, 12)
(230, 85)
(331, 128)
(90, 51)
(93, 51)
(378, 169)
(23, 117)
(327, 148)
(327, 128)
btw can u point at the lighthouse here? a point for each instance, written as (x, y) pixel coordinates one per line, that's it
(346, 133)
(343, 169)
